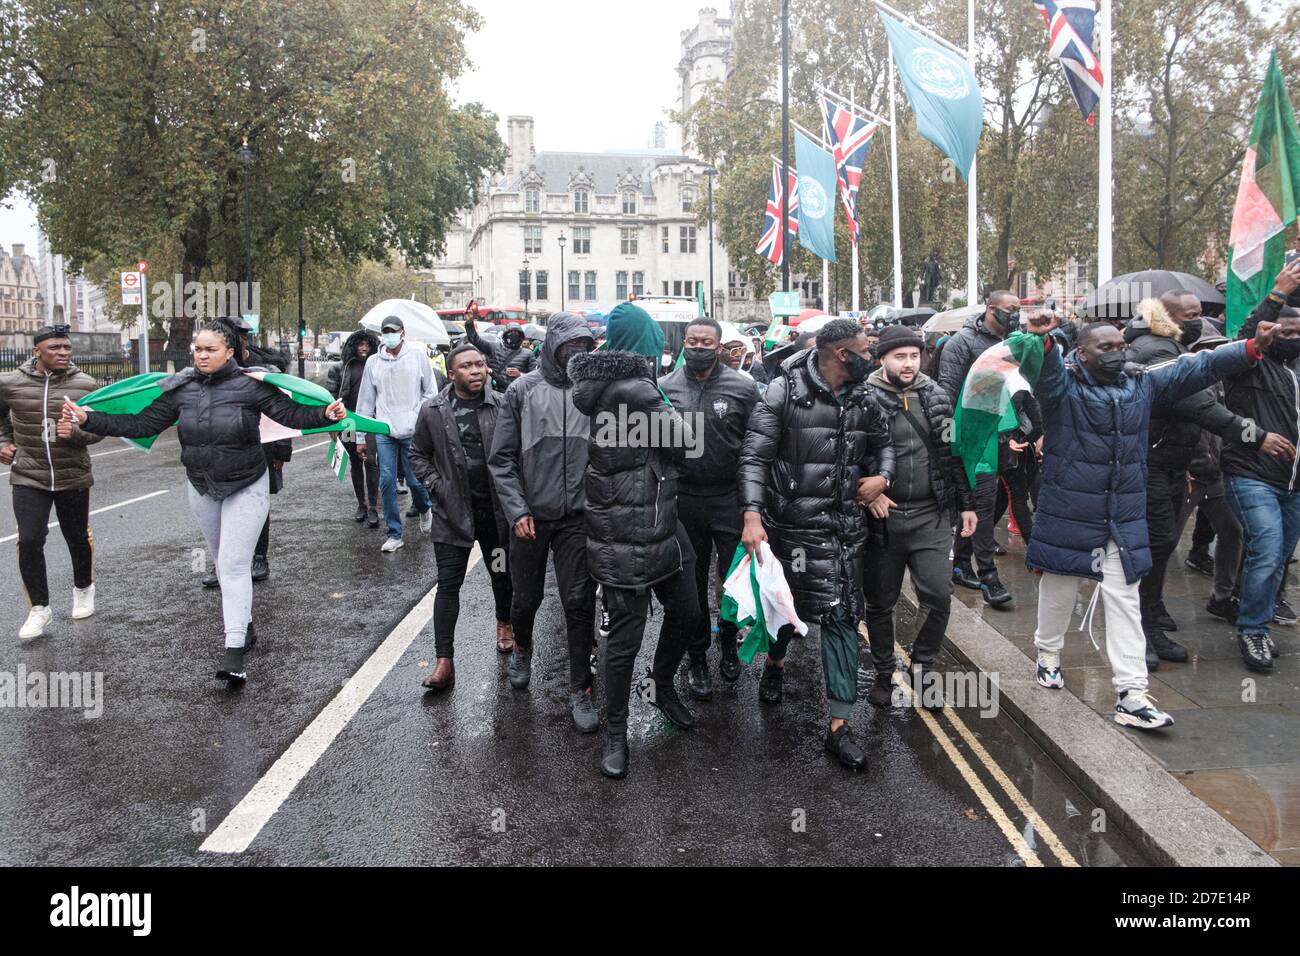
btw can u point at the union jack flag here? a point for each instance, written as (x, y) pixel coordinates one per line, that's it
(1070, 25)
(772, 245)
(849, 138)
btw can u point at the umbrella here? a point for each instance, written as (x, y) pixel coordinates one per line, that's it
(911, 317)
(1117, 298)
(534, 332)
(950, 321)
(421, 322)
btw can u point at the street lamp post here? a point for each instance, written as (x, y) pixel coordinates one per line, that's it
(563, 278)
(710, 174)
(245, 157)
(528, 283)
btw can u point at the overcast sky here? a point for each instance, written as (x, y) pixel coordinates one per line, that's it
(594, 75)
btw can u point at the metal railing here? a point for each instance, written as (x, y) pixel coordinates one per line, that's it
(103, 368)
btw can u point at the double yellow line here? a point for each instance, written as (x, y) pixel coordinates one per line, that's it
(990, 766)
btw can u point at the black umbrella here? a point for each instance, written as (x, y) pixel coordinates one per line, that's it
(1117, 298)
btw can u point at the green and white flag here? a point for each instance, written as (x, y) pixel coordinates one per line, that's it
(986, 409)
(337, 457)
(757, 596)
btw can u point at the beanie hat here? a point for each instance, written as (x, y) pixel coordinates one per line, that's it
(897, 337)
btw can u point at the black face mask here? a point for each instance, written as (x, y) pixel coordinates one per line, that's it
(1284, 350)
(565, 352)
(1007, 319)
(1191, 332)
(858, 367)
(1108, 366)
(512, 340)
(699, 361)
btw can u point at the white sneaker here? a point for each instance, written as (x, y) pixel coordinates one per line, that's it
(426, 522)
(390, 545)
(1049, 670)
(37, 621)
(1136, 708)
(83, 602)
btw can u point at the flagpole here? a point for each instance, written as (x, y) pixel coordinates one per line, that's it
(893, 177)
(972, 224)
(1105, 182)
(786, 251)
(854, 236)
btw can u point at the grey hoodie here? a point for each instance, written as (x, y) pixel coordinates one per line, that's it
(393, 387)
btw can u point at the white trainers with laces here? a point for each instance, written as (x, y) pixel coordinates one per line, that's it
(1136, 708)
(83, 602)
(390, 545)
(1049, 670)
(37, 621)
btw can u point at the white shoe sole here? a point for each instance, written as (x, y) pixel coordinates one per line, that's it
(81, 615)
(1132, 720)
(1059, 685)
(396, 547)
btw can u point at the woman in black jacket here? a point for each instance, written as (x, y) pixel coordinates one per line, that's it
(218, 411)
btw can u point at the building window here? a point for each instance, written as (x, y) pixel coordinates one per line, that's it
(663, 234)
(532, 240)
(581, 201)
(665, 287)
(575, 289)
(543, 285)
(686, 239)
(524, 292)
(532, 200)
(620, 285)
(688, 199)
(677, 287)
(590, 287)
(629, 203)
(582, 240)
(638, 284)
(628, 240)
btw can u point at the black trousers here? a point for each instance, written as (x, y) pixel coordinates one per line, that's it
(565, 540)
(1203, 533)
(1014, 491)
(365, 474)
(713, 524)
(32, 513)
(1166, 497)
(918, 541)
(628, 609)
(453, 562)
(981, 545)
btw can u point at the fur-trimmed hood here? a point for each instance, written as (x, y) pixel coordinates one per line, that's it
(1151, 316)
(607, 366)
(625, 376)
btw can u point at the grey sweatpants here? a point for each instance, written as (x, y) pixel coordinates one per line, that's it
(231, 527)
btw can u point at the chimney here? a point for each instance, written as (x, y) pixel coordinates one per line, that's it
(18, 250)
(519, 138)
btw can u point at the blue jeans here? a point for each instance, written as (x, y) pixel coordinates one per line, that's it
(1270, 527)
(393, 451)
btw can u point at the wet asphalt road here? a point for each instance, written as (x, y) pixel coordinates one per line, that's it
(481, 774)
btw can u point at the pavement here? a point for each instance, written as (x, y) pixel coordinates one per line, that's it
(1235, 742)
(331, 754)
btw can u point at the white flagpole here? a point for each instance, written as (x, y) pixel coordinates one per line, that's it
(893, 177)
(853, 87)
(1105, 221)
(972, 223)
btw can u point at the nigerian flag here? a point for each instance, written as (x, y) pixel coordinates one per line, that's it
(986, 410)
(130, 396)
(1266, 200)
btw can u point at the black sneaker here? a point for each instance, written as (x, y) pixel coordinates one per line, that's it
(1254, 651)
(360, 513)
(995, 595)
(963, 575)
(1153, 659)
(401, 486)
(927, 694)
(1163, 620)
(666, 701)
(412, 512)
(1272, 648)
(882, 691)
(232, 666)
(613, 763)
(1283, 613)
(212, 581)
(769, 685)
(604, 621)
(372, 518)
(728, 660)
(698, 681)
(585, 716)
(1225, 610)
(999, 549)
(842, 745)
(261, 567)
(1166, 649)
(520, 670)
(1200, 562)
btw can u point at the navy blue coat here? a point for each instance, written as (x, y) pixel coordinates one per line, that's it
(1095, 457)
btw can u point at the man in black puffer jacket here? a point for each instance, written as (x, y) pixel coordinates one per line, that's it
(804, 480)
(635, 544)
(507, 358)
(1161, 332)
(927, 493)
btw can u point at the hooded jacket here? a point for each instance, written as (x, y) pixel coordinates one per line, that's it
(393, 387)
(345, 376)
(631, 475)
(722, 404)
(218, 420)
(960, 350)
(438, 460)
(1154, 338)
(803, 455)
(1267, 395)
(538, 457)
(28, 399)
(924, 401)
(500, 356)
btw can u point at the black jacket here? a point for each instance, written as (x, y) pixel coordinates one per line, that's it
(345, 375)
(722, 404)
(1268, 396)
(500, 357)
(1175, 428)
(960, 351)
(631, 511)
(438, 460)
(218, 418)
(947, 480)
(803, 456)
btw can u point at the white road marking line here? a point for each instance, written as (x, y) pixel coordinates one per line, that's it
(241, 827)
(310, 447)
(97, 511)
